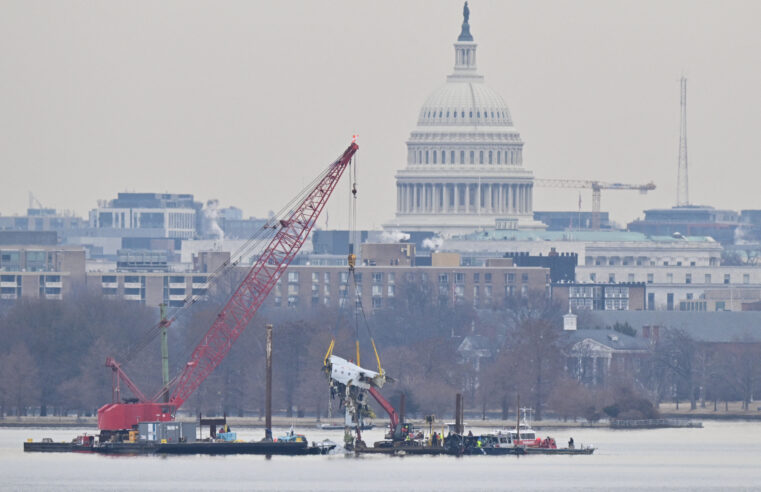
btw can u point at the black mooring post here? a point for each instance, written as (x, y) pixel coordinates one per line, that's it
(268, 404)
(402, 408)
(458, 414)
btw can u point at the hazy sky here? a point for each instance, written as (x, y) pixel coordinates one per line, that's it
(247, 101)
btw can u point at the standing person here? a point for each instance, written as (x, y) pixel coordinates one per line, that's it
(570, 443)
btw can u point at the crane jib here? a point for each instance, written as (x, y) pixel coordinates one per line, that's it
(260, 280)
(242, 305)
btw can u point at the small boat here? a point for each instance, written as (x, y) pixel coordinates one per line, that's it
(521, 436)
(486, 444)
(291, 436)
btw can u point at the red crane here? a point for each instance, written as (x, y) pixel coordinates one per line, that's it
(390, 410)
(292, 231)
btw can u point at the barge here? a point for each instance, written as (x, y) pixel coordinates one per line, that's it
(197, 447)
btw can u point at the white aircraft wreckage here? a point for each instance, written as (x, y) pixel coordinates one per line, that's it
(349, 374)
(351, 383)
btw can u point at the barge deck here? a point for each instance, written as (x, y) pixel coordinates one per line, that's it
(198, 447)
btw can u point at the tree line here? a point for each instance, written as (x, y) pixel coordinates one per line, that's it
(52, 361)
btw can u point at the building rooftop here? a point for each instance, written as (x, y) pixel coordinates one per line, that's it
(716, 327)
(609, 338)
(580, 236)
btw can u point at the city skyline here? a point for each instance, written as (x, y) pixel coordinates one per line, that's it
(189, 98)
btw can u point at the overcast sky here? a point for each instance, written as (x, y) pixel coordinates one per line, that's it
(247, 101)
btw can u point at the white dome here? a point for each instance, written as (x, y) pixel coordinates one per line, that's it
(466, 103)
(464, 158)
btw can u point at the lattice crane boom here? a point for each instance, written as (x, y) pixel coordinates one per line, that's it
(260, 280)
(236, 314)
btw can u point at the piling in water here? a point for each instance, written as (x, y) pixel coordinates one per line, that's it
(268, 404)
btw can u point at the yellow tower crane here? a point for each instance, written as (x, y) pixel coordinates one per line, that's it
(597, 187)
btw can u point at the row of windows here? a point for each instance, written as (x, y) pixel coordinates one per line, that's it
(10, 292)
(293, 301)
(34, 261)
(441, 114)
(688, 278)
(16, 279)
(377, 296)
(630, 260)
(589, 303)
(146, 220)
(489, 157)
(181, 220)
(110, 279)
(481, 294)
(378, 277)
(139, 291)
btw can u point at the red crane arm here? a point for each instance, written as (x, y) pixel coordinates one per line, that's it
(393, 416)
(119, 374)
(256, 286)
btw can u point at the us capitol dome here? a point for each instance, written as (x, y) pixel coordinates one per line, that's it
(464, 159)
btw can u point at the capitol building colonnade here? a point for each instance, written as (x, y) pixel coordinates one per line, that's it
(464, 167)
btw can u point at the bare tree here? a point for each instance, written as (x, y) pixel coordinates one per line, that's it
(533, 345)
(19, 380)
(675, 356)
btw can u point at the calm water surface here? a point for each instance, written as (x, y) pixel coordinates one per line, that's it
(721, 456)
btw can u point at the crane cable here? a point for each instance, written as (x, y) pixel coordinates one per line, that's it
(353, 245)
(352, 258)
(351, 209)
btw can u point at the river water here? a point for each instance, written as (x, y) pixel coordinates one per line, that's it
(721, 456)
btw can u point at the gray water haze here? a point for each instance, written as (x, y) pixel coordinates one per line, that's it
(721, 456)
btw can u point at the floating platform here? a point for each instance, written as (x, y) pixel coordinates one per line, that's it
(439, 450)
(342, 427)
(198, 447)
(588, 450)
(490, 451)
(655, 424)
(403, 450)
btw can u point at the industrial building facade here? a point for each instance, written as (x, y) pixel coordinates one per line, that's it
(379, 285)
(40, 271)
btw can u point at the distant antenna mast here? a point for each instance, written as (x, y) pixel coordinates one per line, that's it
(682, 183)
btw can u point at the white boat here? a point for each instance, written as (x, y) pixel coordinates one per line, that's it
(522, 434)
(526, 437)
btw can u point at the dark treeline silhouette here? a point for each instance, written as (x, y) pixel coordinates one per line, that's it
(52, 358)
